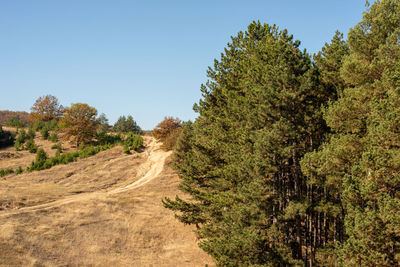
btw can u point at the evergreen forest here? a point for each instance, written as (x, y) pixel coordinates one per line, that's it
(294, 159)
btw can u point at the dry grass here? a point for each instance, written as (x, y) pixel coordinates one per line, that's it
(125, 228)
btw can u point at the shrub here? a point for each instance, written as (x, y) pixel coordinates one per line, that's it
(42, 162)
(104, 138)
(19, 170)
(45, 133)
(20, 140)
(30, 146)
(165, 127)
(127, 150)
(15, 122)
(133, 141)
(31, 133)
(5, 172)
(89, 151)
(38, 125)
(57, 146)
(52, 125)
(53, 137)
(17, 146)
(41, 155)
(167, 131)
(22, 136)
(170, 140)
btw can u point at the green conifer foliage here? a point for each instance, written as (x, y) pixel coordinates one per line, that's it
(359, 165)
(239, 160)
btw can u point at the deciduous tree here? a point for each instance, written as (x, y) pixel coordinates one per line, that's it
(79, 122)
(46, 108)
(165, 127)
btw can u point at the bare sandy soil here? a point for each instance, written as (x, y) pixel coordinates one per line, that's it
(104, 210)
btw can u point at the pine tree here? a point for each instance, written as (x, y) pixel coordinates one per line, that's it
(126, 124)
(259, 115)
(359, 164)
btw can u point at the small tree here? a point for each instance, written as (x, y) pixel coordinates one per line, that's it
(166, 127)
(45, 133)
(45, 108)
(80, 123)
(16, 122)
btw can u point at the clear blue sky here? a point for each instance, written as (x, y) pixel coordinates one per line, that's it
(144, 58)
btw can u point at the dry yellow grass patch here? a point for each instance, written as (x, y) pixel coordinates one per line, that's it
(96, 223)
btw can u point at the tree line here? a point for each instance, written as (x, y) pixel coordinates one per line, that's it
(79, 122)
(294, 160)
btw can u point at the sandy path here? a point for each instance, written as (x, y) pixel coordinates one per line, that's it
(156, 160)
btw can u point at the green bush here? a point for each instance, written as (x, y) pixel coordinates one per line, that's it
(31, 133)
(38, 125)
(30, 146)
(53, 137)
(57, 146)
(19, 170)
(17, 146)
(20, 140)
(22, 136)
(127, 150)
(45, 133)
(104, 138)
(16, 122)
(42, 162)
(52, 125)
(41, 155)
(5, 172)
(133, 141)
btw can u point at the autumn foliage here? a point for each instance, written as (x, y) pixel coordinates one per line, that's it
(79, 123)
(167, 131)
(165, 127)
(45, 108)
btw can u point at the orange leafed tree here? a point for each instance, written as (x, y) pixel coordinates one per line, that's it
(79, 122)
(165, 127)
(45, 108)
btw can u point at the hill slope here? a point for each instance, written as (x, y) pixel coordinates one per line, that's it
(101, 211)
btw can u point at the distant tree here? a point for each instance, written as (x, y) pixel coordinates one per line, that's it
(103, 124)
(16, 122)
(79, 123)
(45, 108)
(126, 124)
(166, 127)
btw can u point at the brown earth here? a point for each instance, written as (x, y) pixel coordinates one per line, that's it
(104, 210)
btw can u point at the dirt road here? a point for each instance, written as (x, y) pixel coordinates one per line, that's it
(122, 224)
